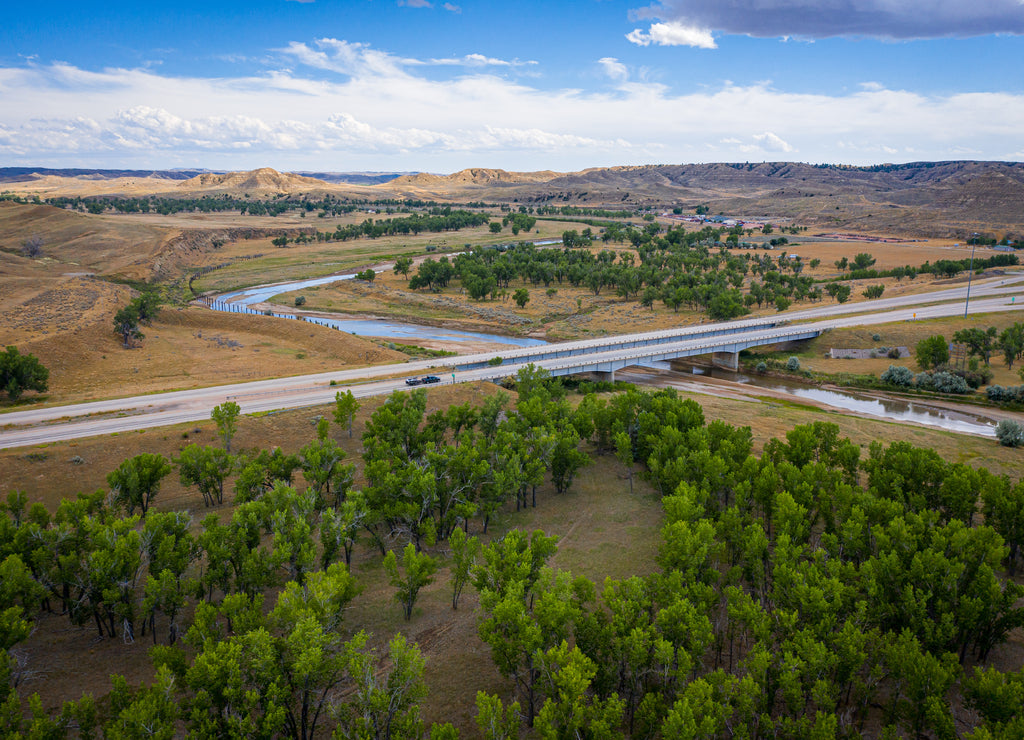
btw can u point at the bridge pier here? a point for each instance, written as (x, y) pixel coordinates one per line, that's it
(607, 376)
(726, 360)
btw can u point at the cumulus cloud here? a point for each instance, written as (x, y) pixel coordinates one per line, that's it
(769, 142)
(673, 33)
(381, 115)
(615, 69)
(885, 19)
(452, 8)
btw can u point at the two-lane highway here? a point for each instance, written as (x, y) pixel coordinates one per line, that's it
(39, 426)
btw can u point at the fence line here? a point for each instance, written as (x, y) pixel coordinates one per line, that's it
(218, 305)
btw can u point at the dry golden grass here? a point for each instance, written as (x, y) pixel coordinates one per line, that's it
(189, 348)
(813, 355)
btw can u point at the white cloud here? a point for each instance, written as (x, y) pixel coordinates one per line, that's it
(382, 114)
(361, 59)
(888, 19)
(673, 33)
(772, 143)
(452, 8)
(416, 3)
(615, 69)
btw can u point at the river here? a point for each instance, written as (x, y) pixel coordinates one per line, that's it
(890, 409)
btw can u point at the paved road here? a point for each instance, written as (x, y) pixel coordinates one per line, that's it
(126, 414)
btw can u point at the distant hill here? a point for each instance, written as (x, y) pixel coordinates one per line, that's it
(262, 181)
(24, 174)
(926, 198)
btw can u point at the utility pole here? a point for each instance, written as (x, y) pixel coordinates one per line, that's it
(970, 273)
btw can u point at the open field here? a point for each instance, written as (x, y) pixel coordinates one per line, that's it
(318, 259)
(561, 311)
(183, 348)
(813, 355)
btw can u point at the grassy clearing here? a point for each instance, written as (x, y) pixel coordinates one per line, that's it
(298, 261)
(814, 354)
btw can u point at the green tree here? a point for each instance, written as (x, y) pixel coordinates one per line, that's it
(345, 408)
(322, 467)
(862, 261)
(496, 721)
(464, 554)
(136, 481)
(146, 712)
(206, 468)
(226, 418)
(624, 454)
(932, 352)
(403, 265)
(387, 692)
(126, 323)
(416, 572)
(19, 373)
(980, 342)
(521, 297)
(1004, 512)
(566, 459)
(1011, 343)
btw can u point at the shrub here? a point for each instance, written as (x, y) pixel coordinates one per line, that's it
(1009, 433)
(893, 353)
(300, 300)
(793, 364)
(949, 383)
(876, 337)
(761, 367)
(899, 376)
(1010, 394)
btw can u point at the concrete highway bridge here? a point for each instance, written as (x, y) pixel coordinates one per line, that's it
(605, 355)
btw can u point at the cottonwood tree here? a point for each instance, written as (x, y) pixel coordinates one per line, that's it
(19, 373)
(136, 481)
(274, 673)
(386, 693)
(417, 571)
(932, 352)
(126, 323)
(226, 418)
(206, 468)
(345, 408)
(321, 462)
(464, 554)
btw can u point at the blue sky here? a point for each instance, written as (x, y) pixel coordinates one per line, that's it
(406, 85)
